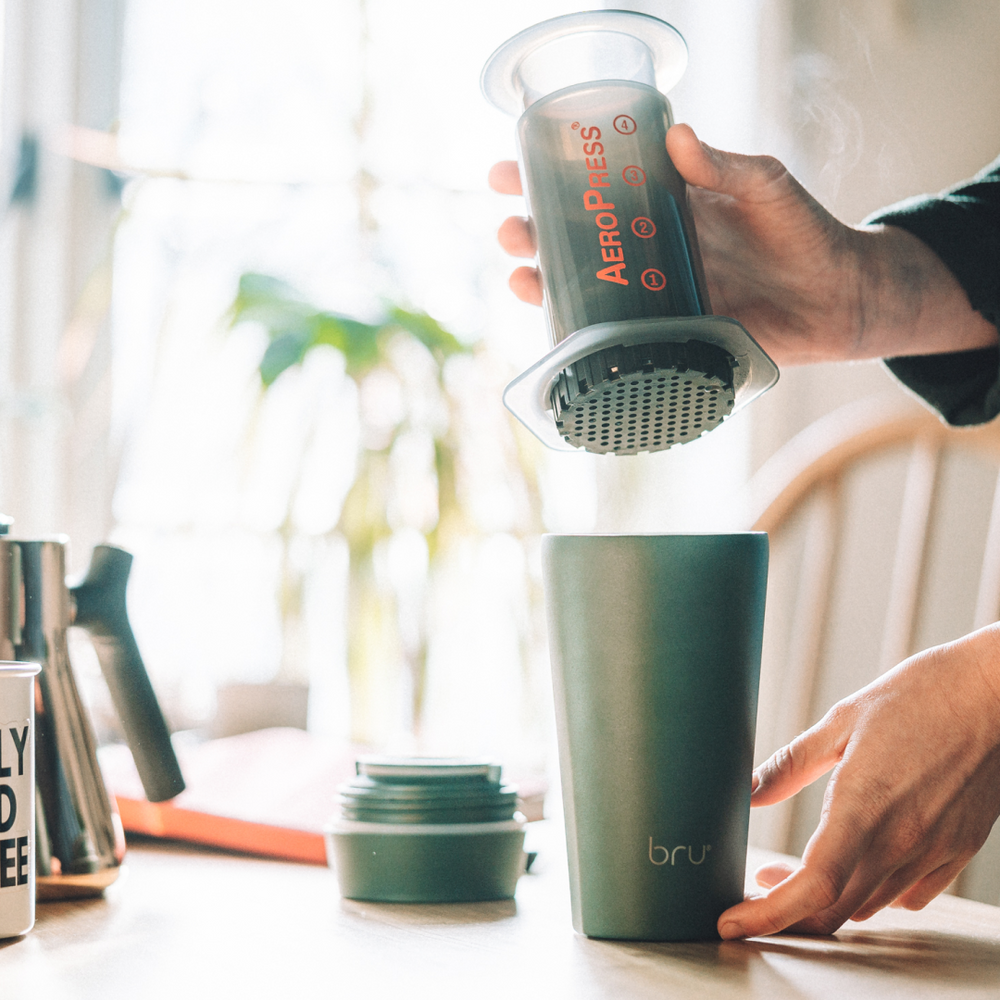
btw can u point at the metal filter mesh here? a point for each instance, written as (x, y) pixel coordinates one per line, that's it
(623, 400)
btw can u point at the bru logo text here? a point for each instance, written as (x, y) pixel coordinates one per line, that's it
(687, 853)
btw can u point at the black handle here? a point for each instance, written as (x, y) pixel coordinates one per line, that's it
(100, 609)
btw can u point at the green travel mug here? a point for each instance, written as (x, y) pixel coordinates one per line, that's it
(655, 643)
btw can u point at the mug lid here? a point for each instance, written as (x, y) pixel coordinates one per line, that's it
(427, 768)
(409, 790)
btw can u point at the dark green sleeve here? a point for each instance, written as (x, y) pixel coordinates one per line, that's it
(962, 226)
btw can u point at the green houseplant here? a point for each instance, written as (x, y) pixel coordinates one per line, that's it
(294, 327)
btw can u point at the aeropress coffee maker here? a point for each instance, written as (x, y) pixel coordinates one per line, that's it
(638, 361)
(655, 640)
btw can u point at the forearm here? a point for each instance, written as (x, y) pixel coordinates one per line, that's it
(911, 303)
(985, 644)
(811, 289)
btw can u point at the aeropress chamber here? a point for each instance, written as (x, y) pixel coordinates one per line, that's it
(638, 361)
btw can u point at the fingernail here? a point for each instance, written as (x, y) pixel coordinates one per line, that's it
(755, 781)
(731, 929)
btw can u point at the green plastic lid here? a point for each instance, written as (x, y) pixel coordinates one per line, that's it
(427, 790)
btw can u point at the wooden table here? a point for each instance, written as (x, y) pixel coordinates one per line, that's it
(184, 922)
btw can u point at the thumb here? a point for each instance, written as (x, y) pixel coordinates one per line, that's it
(801, 762)
(748, 178)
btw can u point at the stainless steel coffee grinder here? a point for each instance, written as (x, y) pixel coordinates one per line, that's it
(79, 842)
(638, 361)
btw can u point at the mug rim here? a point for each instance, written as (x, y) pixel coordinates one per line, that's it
(18, 668)
(649, 534)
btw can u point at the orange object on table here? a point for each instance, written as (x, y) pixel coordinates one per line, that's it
(268, 792)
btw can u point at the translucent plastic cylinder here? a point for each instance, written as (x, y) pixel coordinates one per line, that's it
(615, 237)
(588, 56)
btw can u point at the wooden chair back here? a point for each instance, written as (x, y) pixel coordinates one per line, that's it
(885, 538)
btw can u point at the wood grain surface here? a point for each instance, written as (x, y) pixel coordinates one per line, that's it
(189, 922)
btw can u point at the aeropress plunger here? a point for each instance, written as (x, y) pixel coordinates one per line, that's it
(638, 361)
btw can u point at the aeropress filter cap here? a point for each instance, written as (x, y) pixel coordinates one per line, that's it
(638, 362)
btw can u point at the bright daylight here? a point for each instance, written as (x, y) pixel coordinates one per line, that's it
(499, 497)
